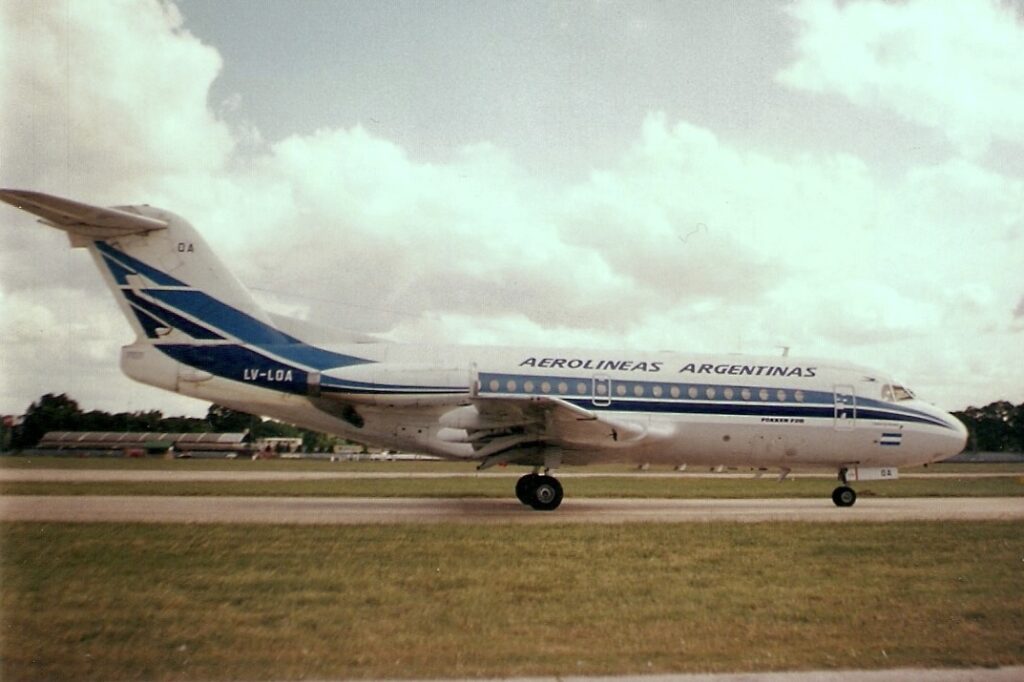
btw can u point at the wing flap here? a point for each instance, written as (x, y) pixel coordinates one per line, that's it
(78, 218)
(494, 425)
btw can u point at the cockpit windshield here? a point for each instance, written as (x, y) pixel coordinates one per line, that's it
(902, 393)
(895, 393)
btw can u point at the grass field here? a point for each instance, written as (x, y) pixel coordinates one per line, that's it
(104, 601)
(502, 486)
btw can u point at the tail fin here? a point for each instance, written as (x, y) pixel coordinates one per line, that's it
(169, 284)
(193, 320)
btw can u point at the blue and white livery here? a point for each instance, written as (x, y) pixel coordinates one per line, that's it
(200, 333)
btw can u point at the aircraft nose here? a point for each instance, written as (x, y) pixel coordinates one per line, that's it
(957, 438)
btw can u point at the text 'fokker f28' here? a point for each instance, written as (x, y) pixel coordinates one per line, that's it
(200, 333)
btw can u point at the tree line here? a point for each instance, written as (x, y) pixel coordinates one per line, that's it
(62, 413)
(996, 427)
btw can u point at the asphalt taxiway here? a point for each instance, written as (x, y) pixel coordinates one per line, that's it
(139, 476)
(361, 510)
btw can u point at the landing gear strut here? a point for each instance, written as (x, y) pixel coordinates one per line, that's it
(844, 495)
(540, 491)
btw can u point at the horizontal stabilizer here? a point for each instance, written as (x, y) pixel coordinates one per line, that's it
(89, 221)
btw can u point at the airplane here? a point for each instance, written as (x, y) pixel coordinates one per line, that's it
(200, 333)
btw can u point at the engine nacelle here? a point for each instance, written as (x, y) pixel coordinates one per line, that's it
(402, 377)
(146, 364)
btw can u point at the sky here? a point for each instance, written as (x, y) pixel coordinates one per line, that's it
(845, 179)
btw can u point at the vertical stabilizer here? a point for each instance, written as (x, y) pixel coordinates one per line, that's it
(169, 284)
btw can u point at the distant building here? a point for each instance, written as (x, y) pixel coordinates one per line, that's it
(142, 443)
(278, 444)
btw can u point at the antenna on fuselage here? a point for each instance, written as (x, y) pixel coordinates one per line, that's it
(785, 351)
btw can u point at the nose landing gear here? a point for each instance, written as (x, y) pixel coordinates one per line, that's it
(540, 491)
(844, 495)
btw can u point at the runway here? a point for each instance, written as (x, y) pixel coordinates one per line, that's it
(140, 476)
(362, 510)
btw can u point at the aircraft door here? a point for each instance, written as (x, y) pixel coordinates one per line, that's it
(845, 408)
(602, 394)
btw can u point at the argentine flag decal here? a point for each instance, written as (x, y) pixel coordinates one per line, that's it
(891, 439)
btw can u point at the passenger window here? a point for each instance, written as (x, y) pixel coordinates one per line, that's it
(781, 395)
(710, 393)
(638, 390)
(763, 394)
(674, 391)
(495, 384)
(745, 393)
(621, 389)
(528, 386)
(692, 392)
(546, 387)
(657, 391)
(728, 393)
(581, 388)
(511, 385)
(563, 387)
(799, 395)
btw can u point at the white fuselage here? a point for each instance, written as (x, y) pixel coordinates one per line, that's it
(732, 410)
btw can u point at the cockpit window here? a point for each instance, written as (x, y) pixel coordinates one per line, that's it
(894, 393)
(902, 393)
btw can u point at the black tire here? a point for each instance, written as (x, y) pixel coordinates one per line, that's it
(524, 488)
(545, 493)
(844, 496)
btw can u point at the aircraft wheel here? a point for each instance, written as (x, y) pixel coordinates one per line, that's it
(844, 496)
(524, 486)
(545, 493)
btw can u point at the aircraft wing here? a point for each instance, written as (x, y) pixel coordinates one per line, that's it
(499, 428)
(78, 218)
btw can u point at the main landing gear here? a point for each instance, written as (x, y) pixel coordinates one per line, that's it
(844, 495)
(540, 491)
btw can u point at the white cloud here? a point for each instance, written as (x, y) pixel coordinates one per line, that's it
(689, 242)
(944, 64)
(98, 96)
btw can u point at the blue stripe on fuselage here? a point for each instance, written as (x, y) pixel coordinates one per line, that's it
(249, 366)
(240, 364)
(677, 398)
(334, 385)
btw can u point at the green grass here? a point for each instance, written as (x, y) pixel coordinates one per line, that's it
(494, 486)
(106, 601)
